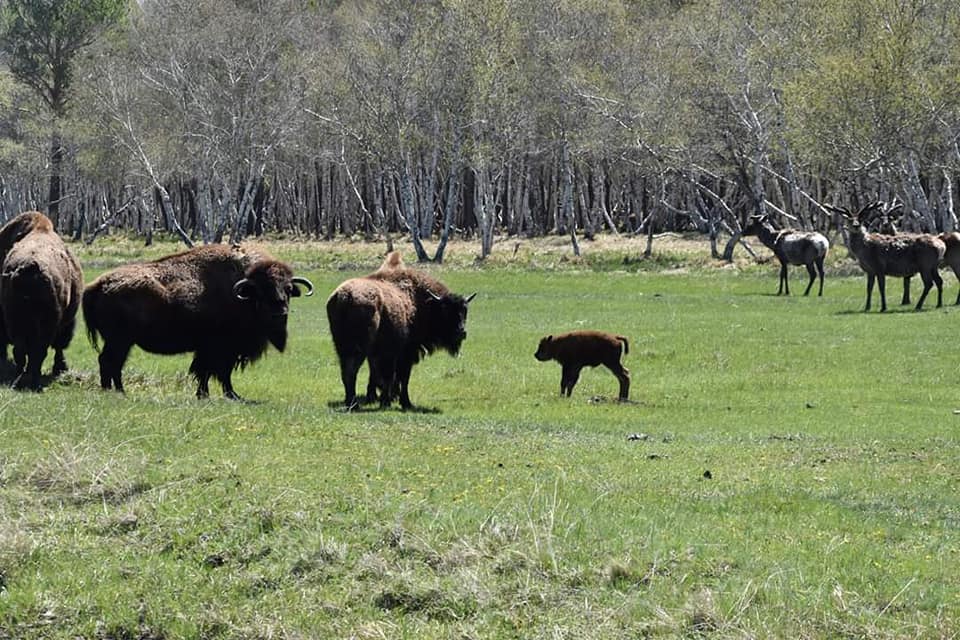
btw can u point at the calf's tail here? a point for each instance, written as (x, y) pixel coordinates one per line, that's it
(626, 343)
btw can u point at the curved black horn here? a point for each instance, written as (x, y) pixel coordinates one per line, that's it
(470, 297)
(304, 282)
(236, 289)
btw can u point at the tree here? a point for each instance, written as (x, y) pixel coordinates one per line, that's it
(40, 40)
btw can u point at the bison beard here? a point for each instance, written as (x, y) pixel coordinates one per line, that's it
(40, 286)
(221, 303)
(392, 318)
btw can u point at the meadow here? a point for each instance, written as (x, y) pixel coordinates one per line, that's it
(787, 467)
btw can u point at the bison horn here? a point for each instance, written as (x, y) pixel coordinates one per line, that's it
(304, 282)
(238, 289)
(434, 296)
(470, 297)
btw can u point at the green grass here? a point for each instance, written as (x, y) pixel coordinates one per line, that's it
(503, 510)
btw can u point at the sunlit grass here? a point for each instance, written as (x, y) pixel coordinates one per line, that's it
(787, 468)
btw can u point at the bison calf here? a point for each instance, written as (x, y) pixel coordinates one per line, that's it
(40, 283)
(579, 349)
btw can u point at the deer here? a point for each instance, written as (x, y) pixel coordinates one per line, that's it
(808, 248)
(901, 255)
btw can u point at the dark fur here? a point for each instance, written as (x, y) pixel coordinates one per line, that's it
(808, 248)
(951, 256)
(190, 302)
(392, 318)
(40, 285)
(579, 349)
(903, 255)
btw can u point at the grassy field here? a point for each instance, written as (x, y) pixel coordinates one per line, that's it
(788, 467)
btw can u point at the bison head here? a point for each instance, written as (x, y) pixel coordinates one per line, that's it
(268, 287)
(545, 349)
(450, 319)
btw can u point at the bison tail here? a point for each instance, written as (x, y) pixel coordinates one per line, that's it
(89, 304)
(626, 343)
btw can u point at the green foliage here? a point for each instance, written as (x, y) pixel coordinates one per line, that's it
(503, 510)
(41, 39)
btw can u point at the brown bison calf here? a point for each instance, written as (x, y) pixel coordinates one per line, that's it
(579, 349)
(40, 284)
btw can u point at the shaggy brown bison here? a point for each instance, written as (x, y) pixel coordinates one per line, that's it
(224, 304)
(392, 318)
(579, 349)
(40, 285)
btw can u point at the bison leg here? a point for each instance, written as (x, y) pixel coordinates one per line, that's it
(385, 378)
(349, 366)
(29, 378)
(19, 359)
(783, 279)
(906, 291)
(404, 369)
(568, 379)
(820, 273)
(623, 375)
(61, 342)
(111, 365)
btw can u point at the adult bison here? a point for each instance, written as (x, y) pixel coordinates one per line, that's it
(392, 318)
(40, 285)
(224, 304)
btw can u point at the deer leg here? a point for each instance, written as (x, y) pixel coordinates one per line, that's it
(812, 270)
(783, 279)
(820, 272)
(870, 279)
(906, 290)
(927, 285)
(937, 280)
(882, 286)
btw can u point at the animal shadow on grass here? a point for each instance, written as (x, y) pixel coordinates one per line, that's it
(8, 375)
(374, 407)
(891, 310)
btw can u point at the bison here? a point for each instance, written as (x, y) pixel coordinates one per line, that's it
(392, 318)
(579, 349)
(40, 285)
(224, 304)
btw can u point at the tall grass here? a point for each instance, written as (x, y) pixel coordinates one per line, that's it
(787, 468)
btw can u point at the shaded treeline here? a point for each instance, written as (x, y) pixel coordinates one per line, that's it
(217, 120)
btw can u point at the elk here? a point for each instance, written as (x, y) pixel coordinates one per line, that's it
(900, 255)
(808, 248)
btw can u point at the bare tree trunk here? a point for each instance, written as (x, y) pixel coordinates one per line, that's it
(410, 209)
(56, 168)
(950, 219)
(567, 198)
(451, 200)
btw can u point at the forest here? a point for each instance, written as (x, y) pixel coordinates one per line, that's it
(215, 120)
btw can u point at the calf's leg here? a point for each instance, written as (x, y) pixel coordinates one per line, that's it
(623, 375)
(569, 377)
